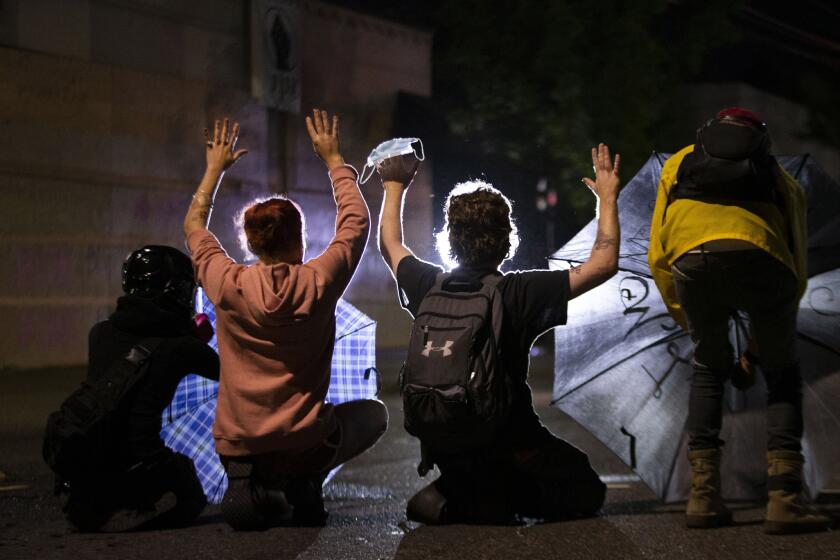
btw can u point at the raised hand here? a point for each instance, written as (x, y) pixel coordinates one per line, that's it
(221, 146)
(221, 154)
(398, 169)
(325, 137)
(607, 181)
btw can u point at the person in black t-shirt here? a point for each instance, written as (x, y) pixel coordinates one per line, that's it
(528, 471)
(148, 484)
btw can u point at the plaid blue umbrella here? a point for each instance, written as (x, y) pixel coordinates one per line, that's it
(188, 420)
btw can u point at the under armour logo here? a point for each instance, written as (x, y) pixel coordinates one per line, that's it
(445, 348)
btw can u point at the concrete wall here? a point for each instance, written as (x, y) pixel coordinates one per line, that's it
(102, 104)
(361, 81)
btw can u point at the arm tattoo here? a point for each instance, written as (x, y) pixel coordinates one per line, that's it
(603, 241)
(575, 269)
(199, 211)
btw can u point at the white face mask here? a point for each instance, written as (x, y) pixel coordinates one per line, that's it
(388, 149)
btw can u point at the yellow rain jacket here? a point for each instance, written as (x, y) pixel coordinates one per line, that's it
(686, 223)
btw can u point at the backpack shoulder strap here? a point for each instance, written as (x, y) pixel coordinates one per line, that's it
(490, 287)
(492, 280)
(137, 359)
(151, 344)
(486, 284)
(439, 280)
(436, 288)
(141, 351)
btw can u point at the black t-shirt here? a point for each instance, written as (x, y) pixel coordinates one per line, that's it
(533, 302)
(178, 354)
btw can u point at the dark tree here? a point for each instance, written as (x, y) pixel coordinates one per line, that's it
(535, 83)
(540, 82)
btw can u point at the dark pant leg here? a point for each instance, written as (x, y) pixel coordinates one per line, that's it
(152, 477)
(177, 474)
(555, 481)
(91, 503)
(767, 292)
(296, 478)
(363, 423)
(360, 425)
(784, 409)
(476, 486)
(699, 289)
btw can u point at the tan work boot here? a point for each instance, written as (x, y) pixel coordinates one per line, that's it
(705, 507)
(786, 510)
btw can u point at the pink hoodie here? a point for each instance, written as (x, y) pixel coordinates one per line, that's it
(276, 331)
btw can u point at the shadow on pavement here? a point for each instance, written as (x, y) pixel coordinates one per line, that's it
(656, 507)
(568, 540)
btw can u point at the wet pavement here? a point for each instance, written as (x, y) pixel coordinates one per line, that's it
(367, 506)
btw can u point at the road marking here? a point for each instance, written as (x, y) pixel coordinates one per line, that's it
(611, 478)
(11, 487)
(56, 301)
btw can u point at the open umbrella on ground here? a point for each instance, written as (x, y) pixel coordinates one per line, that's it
(188, 421)
(623, 370)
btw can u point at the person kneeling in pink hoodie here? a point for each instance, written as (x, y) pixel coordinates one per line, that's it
(276, 330)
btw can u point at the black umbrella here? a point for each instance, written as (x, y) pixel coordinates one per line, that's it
(622, 366)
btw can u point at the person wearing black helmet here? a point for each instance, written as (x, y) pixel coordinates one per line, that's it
(148, 484)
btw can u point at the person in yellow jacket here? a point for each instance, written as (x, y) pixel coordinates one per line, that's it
(728, 234)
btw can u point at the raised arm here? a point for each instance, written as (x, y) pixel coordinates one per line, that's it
(396, 174)
(603, 260)
(341, 257)
(221, 154)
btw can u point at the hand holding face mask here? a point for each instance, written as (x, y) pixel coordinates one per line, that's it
(396, 160)
(398, 169)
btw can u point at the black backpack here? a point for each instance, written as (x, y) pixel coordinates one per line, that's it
(455, 391)
(729, 164)
(80, 436)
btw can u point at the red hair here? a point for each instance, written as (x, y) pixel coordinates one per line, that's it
(273, 227)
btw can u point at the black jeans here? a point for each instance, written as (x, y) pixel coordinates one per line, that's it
(710, 287)
(92, 502)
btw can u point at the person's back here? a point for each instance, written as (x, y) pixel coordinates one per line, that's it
(532, 302)
(709, 196)
(274, 432)
(158, 282)
(276, 335)
(525, 470)
(728, 236)
(490, 483)
(179, 353)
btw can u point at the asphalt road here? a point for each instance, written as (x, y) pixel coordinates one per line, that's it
(367, 506)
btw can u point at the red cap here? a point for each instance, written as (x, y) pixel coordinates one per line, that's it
(741, 114)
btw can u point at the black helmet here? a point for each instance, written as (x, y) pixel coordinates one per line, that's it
(156, 270)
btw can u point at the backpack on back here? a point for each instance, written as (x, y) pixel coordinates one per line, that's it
(455, 391)
(729, 163)
(79, 438)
